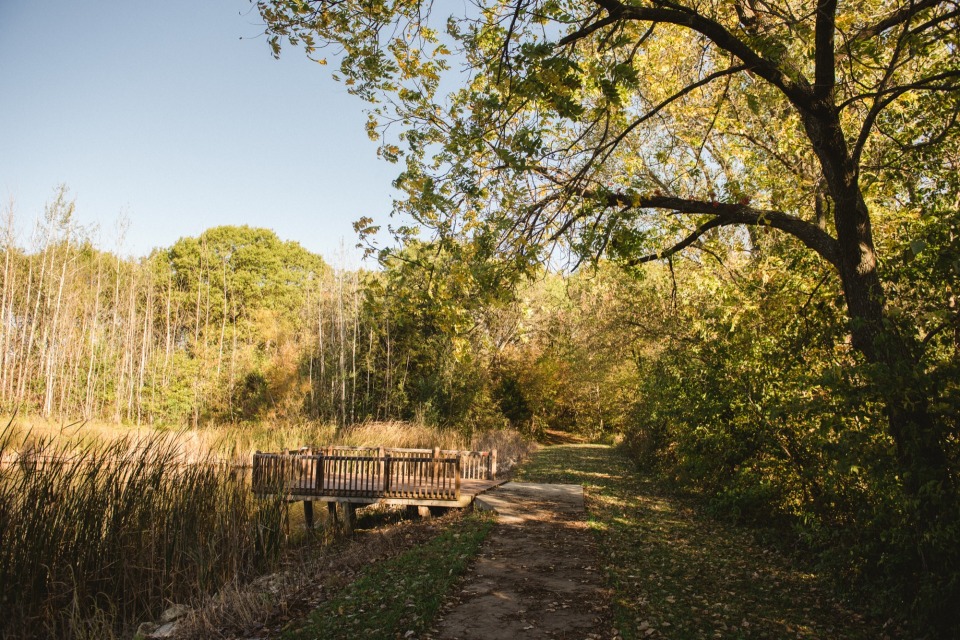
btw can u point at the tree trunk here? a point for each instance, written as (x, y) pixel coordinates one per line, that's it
(896, 374)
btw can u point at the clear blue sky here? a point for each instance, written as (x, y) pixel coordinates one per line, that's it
(160, 111)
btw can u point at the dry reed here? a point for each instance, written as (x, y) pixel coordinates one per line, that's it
(97, 536)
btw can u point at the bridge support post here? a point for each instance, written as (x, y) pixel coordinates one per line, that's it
(416, 512)
(349, 517)
(308, 514)
(332, 514)
(342, 517)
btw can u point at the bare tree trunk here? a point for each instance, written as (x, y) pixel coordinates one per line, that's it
(353, 354)
(341, 335)
(6, 307)
(223, 322)
(92, 368)
(54, 348)
(27, 371)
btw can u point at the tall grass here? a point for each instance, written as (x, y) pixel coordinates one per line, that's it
(104, 526)
(98, 536)
(233, 443)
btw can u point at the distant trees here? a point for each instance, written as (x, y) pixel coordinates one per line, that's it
(235, 301)
(236, 325)
(232, 325)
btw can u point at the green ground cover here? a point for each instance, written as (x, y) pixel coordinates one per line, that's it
(677, 573)
(400, 595)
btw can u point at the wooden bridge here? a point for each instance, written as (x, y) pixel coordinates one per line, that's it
(352, 476)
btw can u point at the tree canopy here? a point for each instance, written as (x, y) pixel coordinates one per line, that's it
(823, 133)
(637, 130)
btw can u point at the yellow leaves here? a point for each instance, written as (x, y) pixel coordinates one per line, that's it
(371, 127)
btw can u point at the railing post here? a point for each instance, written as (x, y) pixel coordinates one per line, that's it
(436, 465)
(383, 462)
(456, 494)
(318, 474)
(386, 473)
(493, 464)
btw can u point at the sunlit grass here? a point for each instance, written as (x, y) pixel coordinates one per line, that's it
(676, 573)
(399, 597)
(233, 443)
(236, 443)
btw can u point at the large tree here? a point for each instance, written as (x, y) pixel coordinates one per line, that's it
(640, 128)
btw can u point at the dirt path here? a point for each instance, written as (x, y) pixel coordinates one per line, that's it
(536, 575)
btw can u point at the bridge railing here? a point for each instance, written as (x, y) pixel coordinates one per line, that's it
(371, 472)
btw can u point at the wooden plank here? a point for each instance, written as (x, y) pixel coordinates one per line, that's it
(386, 473)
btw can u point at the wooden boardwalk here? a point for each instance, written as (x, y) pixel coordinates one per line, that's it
(367, 475)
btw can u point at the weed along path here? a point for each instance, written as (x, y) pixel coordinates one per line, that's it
(536, 575)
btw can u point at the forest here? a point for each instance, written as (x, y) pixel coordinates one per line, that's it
(724, 237)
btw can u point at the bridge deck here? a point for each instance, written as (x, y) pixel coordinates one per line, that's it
(469, 490)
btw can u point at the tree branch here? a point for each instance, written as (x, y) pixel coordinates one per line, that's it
(726, 214)
(697, 233)
(897, 17)
(585, 31)
(797, 91)
(825, 73)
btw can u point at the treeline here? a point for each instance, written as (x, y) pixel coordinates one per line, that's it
(234, 325)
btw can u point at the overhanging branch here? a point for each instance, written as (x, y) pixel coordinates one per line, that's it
(896, 18)
(726, 214)
(680, 246)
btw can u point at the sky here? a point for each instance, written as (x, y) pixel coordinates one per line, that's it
(174, 117)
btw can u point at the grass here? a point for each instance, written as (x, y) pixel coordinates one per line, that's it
(236, 443)
(229, 443)
(677, 573)
(402, 594)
